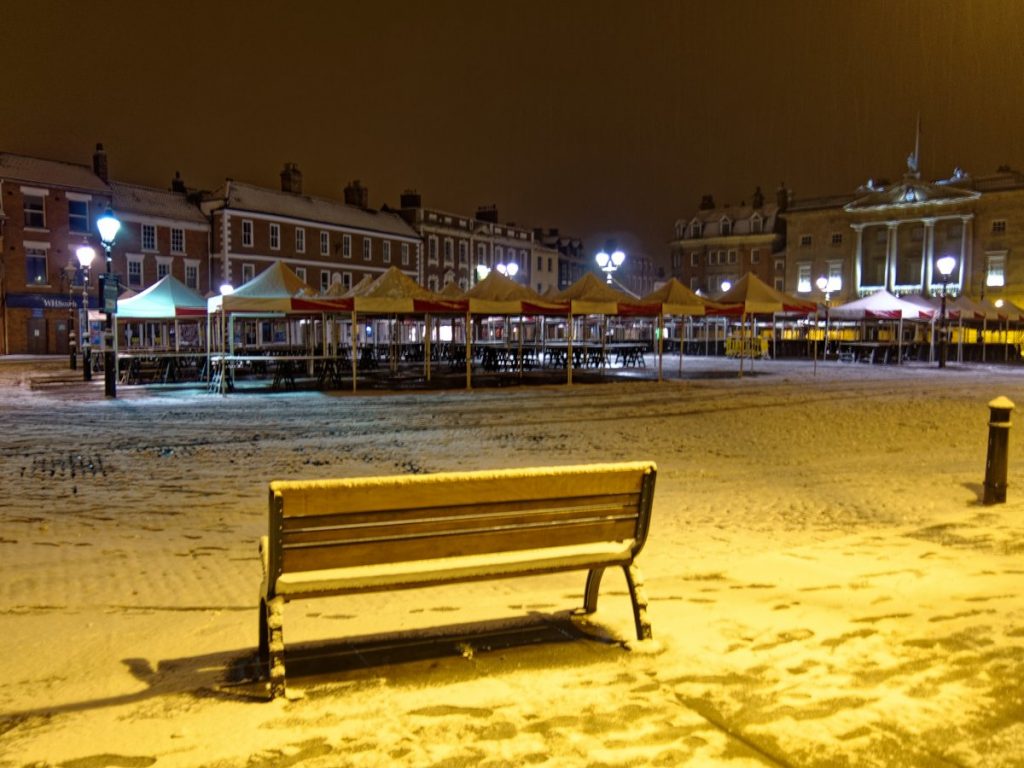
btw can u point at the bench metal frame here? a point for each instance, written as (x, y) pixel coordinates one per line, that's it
(344, 536)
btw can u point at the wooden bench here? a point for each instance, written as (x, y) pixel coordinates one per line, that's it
(371, 534)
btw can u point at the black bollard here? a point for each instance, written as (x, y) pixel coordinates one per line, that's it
(998, 442)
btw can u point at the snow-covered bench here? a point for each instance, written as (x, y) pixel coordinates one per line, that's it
(332, 537)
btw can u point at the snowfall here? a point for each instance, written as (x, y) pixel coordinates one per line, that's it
(826, 587)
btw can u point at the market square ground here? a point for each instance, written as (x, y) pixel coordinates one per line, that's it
(826, 588)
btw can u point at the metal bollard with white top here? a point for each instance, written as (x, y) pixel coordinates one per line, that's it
(998, 444)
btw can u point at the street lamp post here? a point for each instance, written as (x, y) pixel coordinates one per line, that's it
(108, 226)
(509, 270)
(946, 266)
(610, 262)
(85, 255)
(68, 274)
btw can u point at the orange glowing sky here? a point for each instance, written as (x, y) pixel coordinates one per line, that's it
(599, 118)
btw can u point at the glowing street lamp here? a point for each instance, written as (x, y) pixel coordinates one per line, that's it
(85, 255)
(108, 225)
(610, 262)
(946, 265)
(509, 270)
(726, 285)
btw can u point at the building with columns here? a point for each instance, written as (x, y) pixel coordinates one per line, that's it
(890, 236)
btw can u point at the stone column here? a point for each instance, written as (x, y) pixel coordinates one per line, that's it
(891, 250)
(966, 250)
(928, 256)
(858, 258)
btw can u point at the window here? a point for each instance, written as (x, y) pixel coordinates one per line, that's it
(134, 272)
(346, 246)
(247, 233)
(499, 254)
(550, 264)
(803, 277)
(405, 254)
(999, 227)
(163, 268)
(300, 272)
(694, 284)
(464, 254)
(432, 251)
(755, 255)
(35, 212)
(367, 249)
(35, 266)
(695, 229)
(275, 236)
(837, 238)
(387, 251)
(325, 243)
(481, 253)
(780, 265)
(449, 252)
(78, 215)
(694, 258)
(149, 237)
(346, 280)
(805, 241)
(732, 256)
(432, 283)
(177, 240)
(300, 240)
(725, 226)
(995, 269)
(779, 284)
(192, 276)
(756, 225)
(248, 272)
(325, 280)
(540, 262)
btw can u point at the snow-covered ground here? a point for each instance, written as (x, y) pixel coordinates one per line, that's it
(826, 588)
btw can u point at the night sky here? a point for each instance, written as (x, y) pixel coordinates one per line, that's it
(604, 119)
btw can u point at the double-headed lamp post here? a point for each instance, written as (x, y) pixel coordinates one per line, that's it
(108, 226)
(609, 262)
(946, 265)
(68, 275)
(85, 255)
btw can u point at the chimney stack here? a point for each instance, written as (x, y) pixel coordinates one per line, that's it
(178, 183)
(487, 213)
(758, 198)
(99, 163)
(358, 195)
(291, 179)
(782, 196)
(707, 202)
(411, 199)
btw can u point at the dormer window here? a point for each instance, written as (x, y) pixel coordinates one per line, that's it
(695, 228)
(756, 224)
(725, 227)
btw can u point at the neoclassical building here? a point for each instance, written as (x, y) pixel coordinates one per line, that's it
(890, 235)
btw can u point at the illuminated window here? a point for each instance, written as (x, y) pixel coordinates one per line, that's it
(995, 270)
(35, 211)
(148, 237)
(275, 236)
(35, 266)
(803, 277)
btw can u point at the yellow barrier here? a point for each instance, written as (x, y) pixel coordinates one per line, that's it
(745, 346)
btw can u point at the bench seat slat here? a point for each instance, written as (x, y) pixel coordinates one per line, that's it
(417, 573)
(417, 512)
(312, 557)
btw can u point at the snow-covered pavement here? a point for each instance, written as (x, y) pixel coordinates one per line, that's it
(826, 588)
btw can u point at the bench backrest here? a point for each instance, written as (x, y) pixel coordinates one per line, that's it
(321, 524)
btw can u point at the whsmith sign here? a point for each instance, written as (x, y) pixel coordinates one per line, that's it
(43, 301)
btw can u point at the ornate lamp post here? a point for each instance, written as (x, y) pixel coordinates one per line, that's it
(946, 266)
(68, 276)
(610, 262)
(509, 270)
(108, 226)
(85, 255)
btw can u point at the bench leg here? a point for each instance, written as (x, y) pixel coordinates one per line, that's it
(638, 595)
(272, 643)
(593, 585)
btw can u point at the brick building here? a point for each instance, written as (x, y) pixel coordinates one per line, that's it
(716, 244)
(572, 258)
(324, 241)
